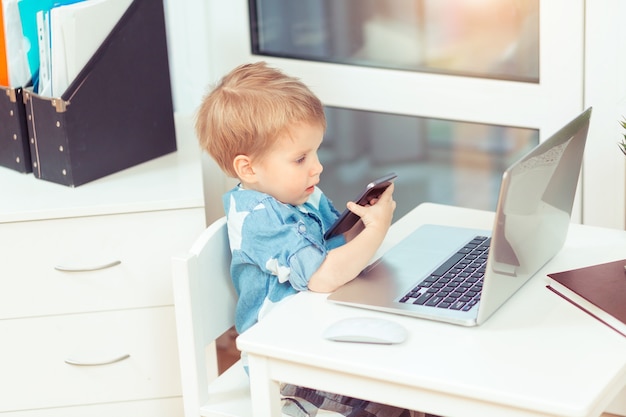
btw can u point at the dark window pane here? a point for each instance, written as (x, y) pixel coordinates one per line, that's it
(480, 38)
(439, 161)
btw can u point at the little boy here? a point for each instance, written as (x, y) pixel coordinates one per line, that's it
(265, 128)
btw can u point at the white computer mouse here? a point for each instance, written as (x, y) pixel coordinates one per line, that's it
(366, 330)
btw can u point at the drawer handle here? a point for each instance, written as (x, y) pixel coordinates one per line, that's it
(76, 362)
(86, 269)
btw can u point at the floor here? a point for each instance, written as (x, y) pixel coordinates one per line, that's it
(227, 353)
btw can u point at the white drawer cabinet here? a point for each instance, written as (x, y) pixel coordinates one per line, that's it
(143, 243)
(91, 358)
(170, 407)
(115, 326)
(57, 305)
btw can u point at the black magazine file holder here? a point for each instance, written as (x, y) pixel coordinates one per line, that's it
(117, 113)
(14, 147)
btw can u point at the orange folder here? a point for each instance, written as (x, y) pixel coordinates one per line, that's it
(4, 72)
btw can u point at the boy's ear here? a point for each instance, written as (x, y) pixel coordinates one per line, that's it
(244, 169)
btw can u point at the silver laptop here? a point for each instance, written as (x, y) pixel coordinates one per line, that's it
(462, 276)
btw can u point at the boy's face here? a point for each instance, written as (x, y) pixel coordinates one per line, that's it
(290, 169)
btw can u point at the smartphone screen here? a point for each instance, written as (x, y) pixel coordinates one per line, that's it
(371, 191)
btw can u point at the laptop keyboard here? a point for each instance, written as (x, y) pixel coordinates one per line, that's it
(458, 282)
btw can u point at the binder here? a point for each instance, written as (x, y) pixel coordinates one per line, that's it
(116, 113)
(14, 147)
(75, 31)
(30, 12)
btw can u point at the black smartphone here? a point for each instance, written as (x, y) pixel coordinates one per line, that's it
(371, 191)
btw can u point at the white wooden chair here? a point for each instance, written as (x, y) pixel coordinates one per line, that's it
(204, 302)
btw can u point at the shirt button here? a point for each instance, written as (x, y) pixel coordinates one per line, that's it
(302, 228)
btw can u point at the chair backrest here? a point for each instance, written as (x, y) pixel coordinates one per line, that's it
(204, 301)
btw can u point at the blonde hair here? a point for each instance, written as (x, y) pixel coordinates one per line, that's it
(249, 109)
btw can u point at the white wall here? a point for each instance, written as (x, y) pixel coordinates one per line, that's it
(189, 51)
(605, 90)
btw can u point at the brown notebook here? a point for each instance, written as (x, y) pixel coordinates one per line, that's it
(599, 290)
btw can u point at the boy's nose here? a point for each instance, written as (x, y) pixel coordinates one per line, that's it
(319, 168)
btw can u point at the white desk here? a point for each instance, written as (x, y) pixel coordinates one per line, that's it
(536, 356)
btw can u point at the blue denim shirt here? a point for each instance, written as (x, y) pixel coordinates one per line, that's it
(275, 248)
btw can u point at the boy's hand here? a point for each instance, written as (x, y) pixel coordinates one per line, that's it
(379, 213)
(345, 262)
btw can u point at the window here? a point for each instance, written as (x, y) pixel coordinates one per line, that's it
(480, 38)
(460, 96)
(436, 160)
